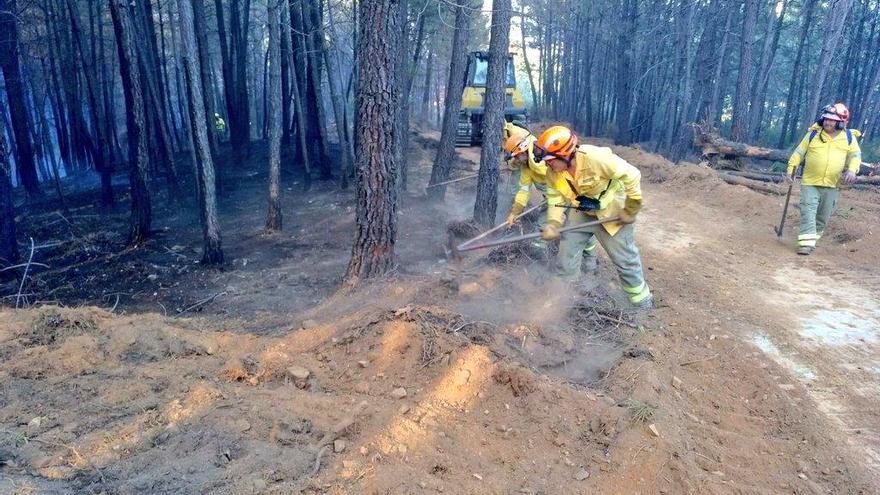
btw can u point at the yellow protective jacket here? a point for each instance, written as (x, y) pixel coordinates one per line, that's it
(599, 174)
(511, 128)
(826, 157)
(529, 174)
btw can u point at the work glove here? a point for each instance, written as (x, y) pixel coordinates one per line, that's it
(631, 208)
(849, 177)
(550, 232)
(587, 204)
(514, 212)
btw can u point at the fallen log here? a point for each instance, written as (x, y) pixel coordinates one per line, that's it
(708, 138)
(752, 184)
(761, 176)
(773, 177)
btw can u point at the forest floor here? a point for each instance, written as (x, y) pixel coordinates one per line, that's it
(757, 373)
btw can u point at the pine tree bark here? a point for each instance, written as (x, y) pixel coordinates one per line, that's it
(138, 155)
(493, 119)
(376, 173)
(454, 88)
(12, 76)
(740, 126)
(274, 217)
(201, 145)
(8, 244)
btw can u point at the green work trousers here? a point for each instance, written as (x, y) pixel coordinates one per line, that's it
(621, 248)
(817, 205)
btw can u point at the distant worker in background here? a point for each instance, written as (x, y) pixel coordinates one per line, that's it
(830, 155)
(596, 183)
(219, 125)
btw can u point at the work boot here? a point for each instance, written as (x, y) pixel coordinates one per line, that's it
(646, 304)
(805, 250)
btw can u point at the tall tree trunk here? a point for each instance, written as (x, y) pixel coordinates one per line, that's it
(403, 76)
(535, 100)
(493, 119)
(739, 127)
(206, 75)
(317, 125)
(8, 244)
(789, 121)
(274, 218)
(101, 155)
(303, 150)
(762, 80)
(12, 75)
(376, 173)
(831, 36)
(201, 145)
(333, 74)
(624, 81)
(226, 62)
(454, 88)
(138, 155)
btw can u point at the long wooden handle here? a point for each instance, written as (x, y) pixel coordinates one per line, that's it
(466, 177)
(533, 235)
(499, 226)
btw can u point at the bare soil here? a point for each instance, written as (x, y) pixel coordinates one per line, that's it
(757, 373)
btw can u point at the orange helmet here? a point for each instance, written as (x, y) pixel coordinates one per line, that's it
(517, 144)
(557, 141)
(837, 112)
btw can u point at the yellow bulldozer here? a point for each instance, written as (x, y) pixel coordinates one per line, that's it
(470, 119)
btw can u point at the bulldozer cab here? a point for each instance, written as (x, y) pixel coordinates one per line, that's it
(470, 121)
(478, 69)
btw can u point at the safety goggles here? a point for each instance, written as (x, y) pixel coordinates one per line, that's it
(541, 155)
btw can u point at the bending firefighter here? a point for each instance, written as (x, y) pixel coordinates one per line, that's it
(592, 182)
(830, 155)
(518, 145)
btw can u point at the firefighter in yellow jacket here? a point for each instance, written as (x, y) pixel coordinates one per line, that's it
(830, 155)
(593, 183)
(518, 147)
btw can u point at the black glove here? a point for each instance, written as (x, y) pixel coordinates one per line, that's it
(587, 204)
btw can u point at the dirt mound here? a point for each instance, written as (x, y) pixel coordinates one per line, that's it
(427, 396)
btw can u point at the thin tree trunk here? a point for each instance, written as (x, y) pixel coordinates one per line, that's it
(332, 72)
(274, 217)
(535, 100)
(201, 145)
(797, 74)
(373, 251)
(739, 127)
(8, 243)
(493, 119)
(12, 75)
(138, 154)
(454, 88)
(831, 36)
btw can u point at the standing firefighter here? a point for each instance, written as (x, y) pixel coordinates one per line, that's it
(219, 124)
(830, 154)
(596, 183)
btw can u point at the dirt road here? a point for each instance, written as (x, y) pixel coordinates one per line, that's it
(757, 373)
